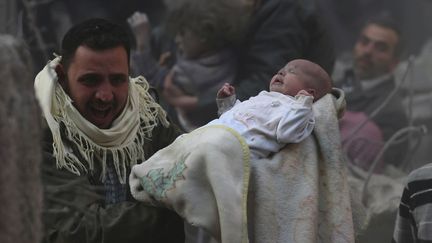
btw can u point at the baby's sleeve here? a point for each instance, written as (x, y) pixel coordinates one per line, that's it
(225, 104)
(297, 122)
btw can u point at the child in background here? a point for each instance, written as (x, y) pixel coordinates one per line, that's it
(204, 34)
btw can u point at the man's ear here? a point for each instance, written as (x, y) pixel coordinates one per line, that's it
(61, 74)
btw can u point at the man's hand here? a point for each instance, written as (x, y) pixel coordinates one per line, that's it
(176, 97)
(164, 58)
(226, 91)
(140, 26)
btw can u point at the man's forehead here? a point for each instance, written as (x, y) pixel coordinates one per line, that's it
(379, 33)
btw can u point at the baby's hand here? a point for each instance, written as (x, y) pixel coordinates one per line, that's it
(226, 91)
(304, 92)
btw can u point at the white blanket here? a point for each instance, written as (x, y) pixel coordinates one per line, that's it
(300, 194)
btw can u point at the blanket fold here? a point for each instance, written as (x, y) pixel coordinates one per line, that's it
(204, 177)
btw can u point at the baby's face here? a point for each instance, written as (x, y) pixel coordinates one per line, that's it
(190, 45)
(289, 80)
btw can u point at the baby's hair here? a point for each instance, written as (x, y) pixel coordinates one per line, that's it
(323, 87)
(318, 79)
(219, 22)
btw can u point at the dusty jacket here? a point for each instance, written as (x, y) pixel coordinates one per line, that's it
(390, 118)
(75, 210)
(280, 31)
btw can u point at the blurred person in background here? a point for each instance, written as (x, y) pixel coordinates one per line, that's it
(367, 80)
(413, 223)
(276, 32)
(20, 150)
(205, 33)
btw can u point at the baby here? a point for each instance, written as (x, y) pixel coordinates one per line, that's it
(284, 115)
(192, 170)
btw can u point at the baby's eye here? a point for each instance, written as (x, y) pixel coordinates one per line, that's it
(281, 72)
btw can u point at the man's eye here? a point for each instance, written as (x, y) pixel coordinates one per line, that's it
(364, 40)
(117, 80)
(89, 80)
(382, 47)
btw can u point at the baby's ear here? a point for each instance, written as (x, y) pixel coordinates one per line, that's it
(314, 93)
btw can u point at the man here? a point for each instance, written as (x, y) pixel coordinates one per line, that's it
(413, 218)
(100, 123)
(367, 84)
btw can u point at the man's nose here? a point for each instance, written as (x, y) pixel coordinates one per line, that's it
(105, 92)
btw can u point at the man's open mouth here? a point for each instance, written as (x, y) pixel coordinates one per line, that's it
(101, 112)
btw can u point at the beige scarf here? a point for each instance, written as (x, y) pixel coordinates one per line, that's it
(124, 141)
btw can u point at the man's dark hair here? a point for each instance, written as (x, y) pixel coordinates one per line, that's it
(386, 20)
(96, 34)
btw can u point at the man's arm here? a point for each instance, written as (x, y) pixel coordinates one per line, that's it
(162, 136)
(280, 31)
(275, 37)
(74, 212)
(74, 209)
(143, 63)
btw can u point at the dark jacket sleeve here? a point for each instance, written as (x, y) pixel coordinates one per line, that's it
(144, 64)
(147, 64)
(163, 136)
(74, 208)
(279, 31)
(275, 35)
(74, 212)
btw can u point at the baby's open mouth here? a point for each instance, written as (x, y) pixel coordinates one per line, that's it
(277, 81)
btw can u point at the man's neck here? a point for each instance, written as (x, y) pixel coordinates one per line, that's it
(368, 84)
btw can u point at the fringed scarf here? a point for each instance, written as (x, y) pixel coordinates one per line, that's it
(123, 142)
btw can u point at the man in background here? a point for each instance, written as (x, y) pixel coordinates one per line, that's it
(374, 105)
